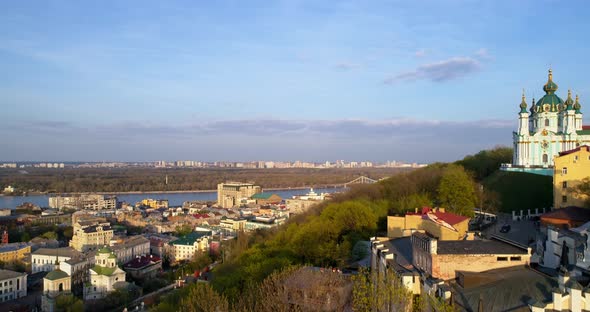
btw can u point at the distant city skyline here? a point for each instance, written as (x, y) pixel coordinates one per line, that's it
(285, 80)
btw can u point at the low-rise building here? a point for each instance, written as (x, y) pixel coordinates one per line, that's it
(43, 259)
(154, 203)
(144, 267)
(13, 285)
(266, 198)
(131, 247)
(104, 275)
(86, 201)
(187, 246)
(442, 259)
(56, 283)
(14, 252)
(438, 223)
(571, 168)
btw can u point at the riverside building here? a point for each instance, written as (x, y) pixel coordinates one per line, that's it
(230, 194)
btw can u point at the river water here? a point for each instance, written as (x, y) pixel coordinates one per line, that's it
(174, 199)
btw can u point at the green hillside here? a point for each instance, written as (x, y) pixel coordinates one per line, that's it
(521, 191)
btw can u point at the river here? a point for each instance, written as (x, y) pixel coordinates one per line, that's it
(174, 199)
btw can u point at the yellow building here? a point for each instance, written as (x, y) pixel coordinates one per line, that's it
(571, 167)
(154, 203)
(14, 252)
(91, 234)
(231, 194)
(435, 221)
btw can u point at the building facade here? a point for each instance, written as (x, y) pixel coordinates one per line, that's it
(186, 247)
(104, 275)
(43, 259)
(571, 168)
(438, 223)
(550, 126)
(231, 193)
(91, 234)
(131, 247)
(87, 201)
(14, 252)
(13, 285)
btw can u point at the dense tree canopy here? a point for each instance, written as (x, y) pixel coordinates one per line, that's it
(456, 191)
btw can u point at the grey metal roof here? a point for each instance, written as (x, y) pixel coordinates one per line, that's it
(478, 247)
(6, 274)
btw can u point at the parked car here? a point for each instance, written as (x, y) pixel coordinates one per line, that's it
(505, 228)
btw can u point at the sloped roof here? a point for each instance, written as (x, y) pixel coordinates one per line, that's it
(571, 213)
(264, 195)
(6, 274)
(577, 149)
(447, 217)
(56, 274)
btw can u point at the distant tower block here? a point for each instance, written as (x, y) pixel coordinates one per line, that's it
(4, 237)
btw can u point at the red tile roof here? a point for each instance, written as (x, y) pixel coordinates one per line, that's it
(585, 127)
(447, 217)
(142, 262)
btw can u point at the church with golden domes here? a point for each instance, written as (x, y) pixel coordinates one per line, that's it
(548, 127)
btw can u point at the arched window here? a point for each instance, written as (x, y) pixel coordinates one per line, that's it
(61, 287)
(546, 122)
(545, 158)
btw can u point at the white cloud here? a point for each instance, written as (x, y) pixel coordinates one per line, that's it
(442, 71)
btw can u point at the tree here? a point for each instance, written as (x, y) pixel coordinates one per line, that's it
(374, 291)
(456, 191)
(69, 303)
(183, 230)
(202, 298)
(49, 235)
(583, 190)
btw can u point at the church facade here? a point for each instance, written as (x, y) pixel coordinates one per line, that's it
(548, 127)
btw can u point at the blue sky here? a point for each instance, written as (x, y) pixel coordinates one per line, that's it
(282, 80)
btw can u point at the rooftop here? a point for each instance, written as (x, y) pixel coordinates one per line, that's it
(478, 247)
(577, 149)
(402, 248)
(508, 289)
(100, 270)
(67, 252)
(141, 262)
(56, 274)
(13, 247)
(264, 195)
(447, 217)
(190, 238)
(569, 213)
(6, 274)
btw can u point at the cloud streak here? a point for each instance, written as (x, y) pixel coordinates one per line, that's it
(450, 69)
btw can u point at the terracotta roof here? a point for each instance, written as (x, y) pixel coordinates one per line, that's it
(447, 217)
(585, 127)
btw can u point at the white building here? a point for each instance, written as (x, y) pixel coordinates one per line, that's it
(131, 247)
(105, 276)
(186, 247)
(43, 259)
(13, 285)
(551, 126)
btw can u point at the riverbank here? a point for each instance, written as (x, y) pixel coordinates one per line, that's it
(183, 191)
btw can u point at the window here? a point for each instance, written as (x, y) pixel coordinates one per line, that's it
(564, 199)
(546, 122)
(576, 156)
(515, 258)
(564, 170)
(502, 258)
(564, 184)
(545, 158)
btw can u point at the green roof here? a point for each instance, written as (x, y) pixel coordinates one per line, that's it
(56, 274)
(552, 100)
(105, 249)
(262, 195)
(103, 270)
(190, 238)
(583, 132)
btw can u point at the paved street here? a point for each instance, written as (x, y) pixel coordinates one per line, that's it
(520, 231)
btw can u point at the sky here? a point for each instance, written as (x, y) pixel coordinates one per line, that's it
(415, 81)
